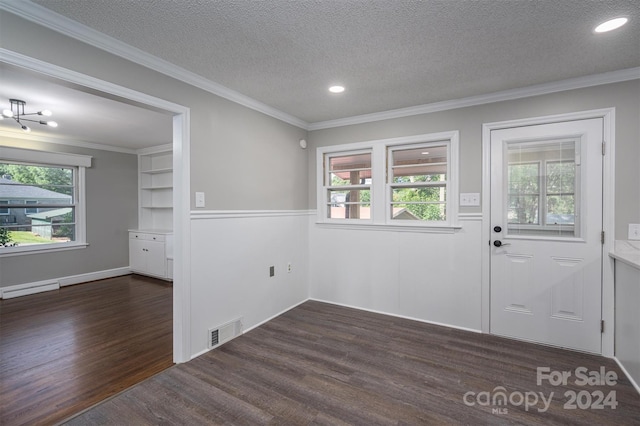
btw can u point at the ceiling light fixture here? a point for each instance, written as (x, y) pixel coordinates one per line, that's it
(610, 25)
(17, 113)
(336, 89)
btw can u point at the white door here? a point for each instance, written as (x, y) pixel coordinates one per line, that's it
(546, 230)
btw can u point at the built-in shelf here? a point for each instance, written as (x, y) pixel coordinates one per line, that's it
(155, 183)
(156, 171)
(153, 188)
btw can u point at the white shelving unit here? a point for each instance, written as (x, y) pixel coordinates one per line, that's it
(151, 244)
(156, 189)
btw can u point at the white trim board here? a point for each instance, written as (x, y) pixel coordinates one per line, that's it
(232, 214)
(55, 283)
(626, 373)
(440, 324)
(48, 19)
(488, 98)
(62, 141)
(608, 214)
(40, 156)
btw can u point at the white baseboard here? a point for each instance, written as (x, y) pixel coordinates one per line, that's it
(55, 283)
(29, 288)
(473, 330)
(624, 370)
(94, 276)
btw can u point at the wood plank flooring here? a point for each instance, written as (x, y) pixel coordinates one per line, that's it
(325, 364)
(63, 351)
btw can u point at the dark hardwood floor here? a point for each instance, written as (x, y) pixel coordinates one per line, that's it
(324, 364)
(63, 351)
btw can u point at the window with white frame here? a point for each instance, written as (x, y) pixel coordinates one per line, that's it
(408, 181)
(417, 175)
(347, 183)
(54, 182)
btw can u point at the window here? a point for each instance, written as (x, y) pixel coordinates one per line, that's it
(524, 193)
(410, 181)
(541, 187)
(418, 182)
(4, 209)
(54, 182)
(348, 186)
(31, 209)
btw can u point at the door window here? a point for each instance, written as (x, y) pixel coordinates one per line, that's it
(542, 188)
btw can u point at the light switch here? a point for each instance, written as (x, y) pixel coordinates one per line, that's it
(470, 199)
(634, 231)
(199, 199)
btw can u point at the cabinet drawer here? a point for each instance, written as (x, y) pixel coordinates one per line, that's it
(146, 237)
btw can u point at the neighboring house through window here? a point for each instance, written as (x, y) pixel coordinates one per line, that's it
(54, 182)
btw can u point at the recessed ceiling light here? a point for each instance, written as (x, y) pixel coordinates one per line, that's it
(336, 89)
(610, 25)
(425, 153)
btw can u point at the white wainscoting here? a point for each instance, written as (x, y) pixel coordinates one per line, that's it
(231, 252)
(431, 277)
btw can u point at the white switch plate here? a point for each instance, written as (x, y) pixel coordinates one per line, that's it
(634, 231)
(199, 199)
(470, 199)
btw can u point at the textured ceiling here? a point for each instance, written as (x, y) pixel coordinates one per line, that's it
(389, 54)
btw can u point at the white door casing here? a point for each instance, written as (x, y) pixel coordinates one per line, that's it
(546, 283)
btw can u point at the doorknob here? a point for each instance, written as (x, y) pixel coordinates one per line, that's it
(499, 243)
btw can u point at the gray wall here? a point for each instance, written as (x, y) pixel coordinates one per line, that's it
(240, 158)
(625, 97)
(112, 200)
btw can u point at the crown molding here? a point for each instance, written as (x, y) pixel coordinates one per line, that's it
(63, 141)
(506, 95)
(155, 149)
(49, 19)
(56, 22)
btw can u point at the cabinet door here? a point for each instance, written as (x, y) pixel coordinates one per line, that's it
(137, 255)
(156, 260)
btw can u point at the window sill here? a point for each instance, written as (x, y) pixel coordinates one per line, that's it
(430, 229)
(28, 250)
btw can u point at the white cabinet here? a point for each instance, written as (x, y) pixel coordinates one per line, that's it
(148, 253)
(151, 244)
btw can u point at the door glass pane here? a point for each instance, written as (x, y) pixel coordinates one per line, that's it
(541, 184)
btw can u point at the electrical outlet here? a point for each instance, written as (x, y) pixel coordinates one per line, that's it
(272, 271)
(289, 268)
(634, 231)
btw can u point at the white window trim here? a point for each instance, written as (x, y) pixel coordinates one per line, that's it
(325, 188)
(379, 187)
(60, 159)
